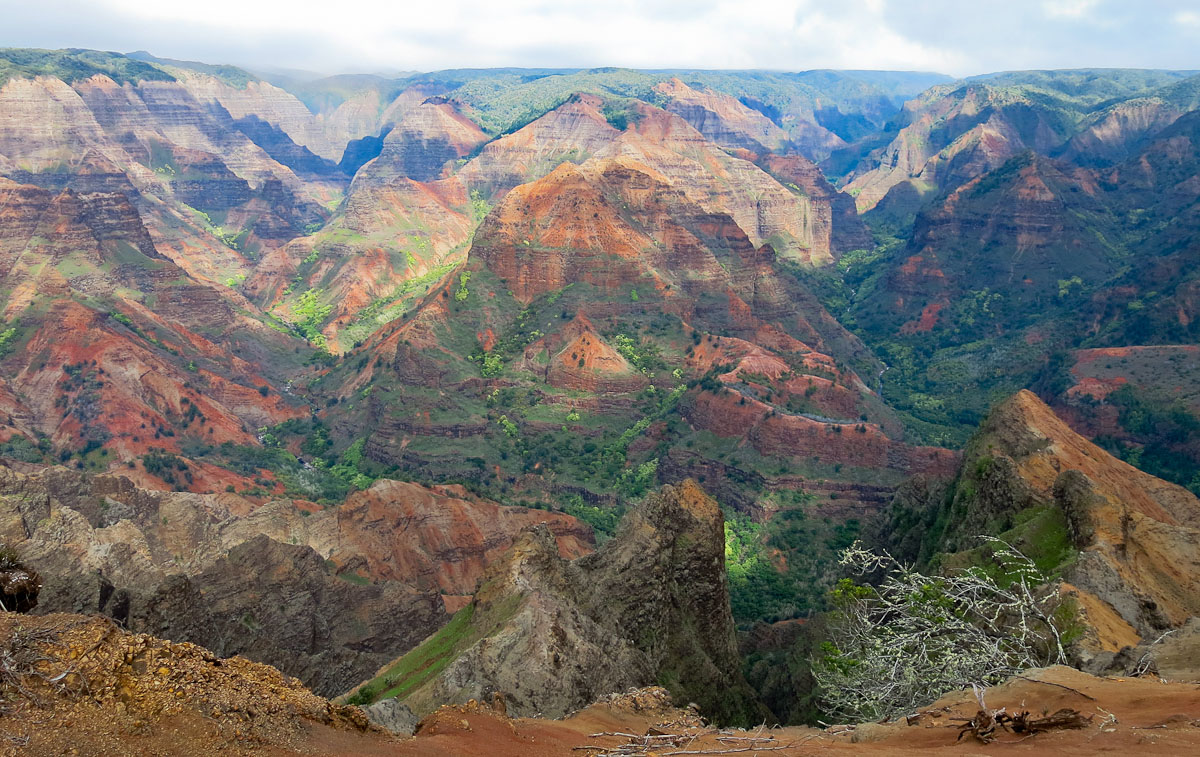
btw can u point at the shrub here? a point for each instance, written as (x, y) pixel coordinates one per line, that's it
(914, 637)
(491, 366)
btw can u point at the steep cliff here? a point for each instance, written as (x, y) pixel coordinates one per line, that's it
(1124, 540)
(651, 606)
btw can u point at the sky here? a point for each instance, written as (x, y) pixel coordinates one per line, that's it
(956, 37)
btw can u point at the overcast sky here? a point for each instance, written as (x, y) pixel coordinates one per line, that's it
(958, 37)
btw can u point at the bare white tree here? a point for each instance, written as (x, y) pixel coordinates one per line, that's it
(903, 643)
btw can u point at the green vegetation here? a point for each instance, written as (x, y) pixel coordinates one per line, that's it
(21, 449)
(781, 569)
(231, 75)
(231, 239)
(462, 292)
(323, 476)
(620, 113)
(312, 314)
(74, 65)
(479, 206)
(491, 366)
(1165, 435)
(6, 339)
(503, 101)
(603, 520)
(168, 466)
(510, 429)
(387, 309)
(422, 664)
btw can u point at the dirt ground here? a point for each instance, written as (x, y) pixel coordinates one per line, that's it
(73, 685)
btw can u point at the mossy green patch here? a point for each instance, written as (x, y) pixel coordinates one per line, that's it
(421, 665)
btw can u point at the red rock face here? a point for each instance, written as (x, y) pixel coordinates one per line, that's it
(415, 198)
(581, 360)
(129, 370)
(675, 149)
(616, 238)
(772, 432)
(618, 225)
(438, 540)
(567, 211)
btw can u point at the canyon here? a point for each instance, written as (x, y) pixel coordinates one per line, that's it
(510, 391)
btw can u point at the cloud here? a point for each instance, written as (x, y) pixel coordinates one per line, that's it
(1187, 18)
(357, 35)
(1069, 8)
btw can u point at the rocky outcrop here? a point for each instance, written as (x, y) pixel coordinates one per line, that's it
(328, 596)
(723, 183)
(552, 636)
(132, 211)
(391, 715)
(84, 680)
(1136, 536)
(572, 132)
(1157, 185)
(281, 604)
(955, 132)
